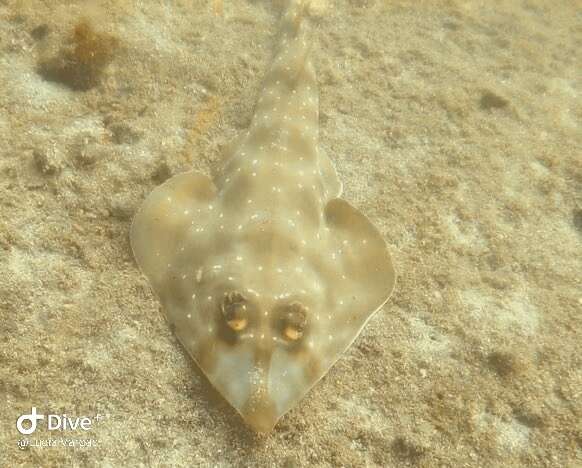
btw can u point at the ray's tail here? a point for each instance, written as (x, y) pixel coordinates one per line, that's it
(288, 109)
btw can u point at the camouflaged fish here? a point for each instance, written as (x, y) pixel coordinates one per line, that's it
(265, 274)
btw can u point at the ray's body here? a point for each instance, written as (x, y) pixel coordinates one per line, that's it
(265, 274)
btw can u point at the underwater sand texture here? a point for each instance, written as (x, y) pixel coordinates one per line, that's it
(454, 126)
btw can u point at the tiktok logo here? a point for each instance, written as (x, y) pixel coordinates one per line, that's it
(33, 417)
(55, 422)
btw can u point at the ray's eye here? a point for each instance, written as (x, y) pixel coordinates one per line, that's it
(234, 310)
(294, 321)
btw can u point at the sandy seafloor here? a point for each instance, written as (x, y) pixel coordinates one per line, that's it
(454, 125)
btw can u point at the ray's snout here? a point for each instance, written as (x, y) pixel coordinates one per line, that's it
(243, 379)
(260, 414)
(259, 410)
